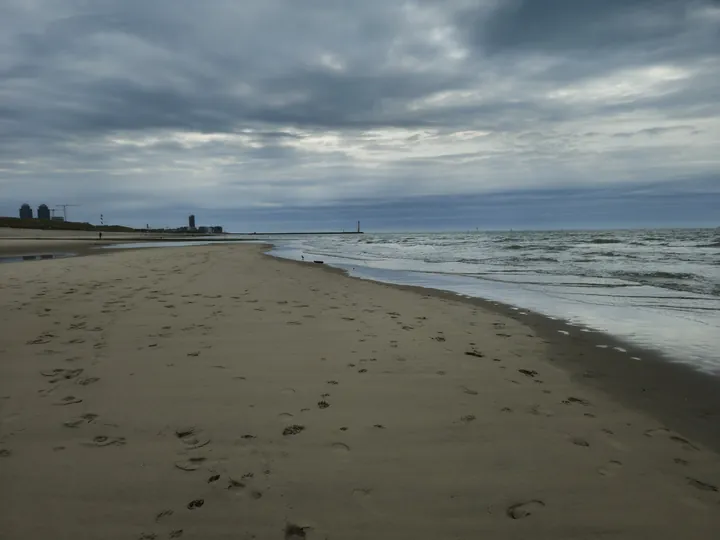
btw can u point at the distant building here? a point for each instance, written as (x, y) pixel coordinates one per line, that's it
(26, 212)
(58, 218)
(216, 229)
(43, 212)
(191, 221)
(204, 230)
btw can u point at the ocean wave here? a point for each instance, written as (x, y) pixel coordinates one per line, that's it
(610, 254)
(540, 259)
(681, 276)
(711, 245)
(605, 241)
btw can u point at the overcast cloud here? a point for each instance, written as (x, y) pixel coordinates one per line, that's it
(271, 114)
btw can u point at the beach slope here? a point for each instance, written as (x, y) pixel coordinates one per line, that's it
(213, 392)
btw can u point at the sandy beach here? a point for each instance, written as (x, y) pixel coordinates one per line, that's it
(212, 392)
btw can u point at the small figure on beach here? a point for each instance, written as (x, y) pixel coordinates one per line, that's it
(100, 235)
(302, 257)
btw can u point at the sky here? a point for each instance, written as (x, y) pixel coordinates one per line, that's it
(287, 115)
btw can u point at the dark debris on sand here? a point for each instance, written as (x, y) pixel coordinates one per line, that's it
(293, 532)
(293, 429)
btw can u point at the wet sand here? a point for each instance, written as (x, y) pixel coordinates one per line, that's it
(213, 392)
(51, 249)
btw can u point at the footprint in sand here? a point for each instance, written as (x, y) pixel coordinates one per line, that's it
(192, 437)
(664, 432)
(68, 400)
(43, 338)
(60, 373)
(524, 509)
(340, 447)
(190, 464)
(197, 503)
(88, 380)
(579, 442)
(539, 410)
(293, 429)
(611, 469)
(164, 514)
(84, 419)
(580, 401)
(4, 453)
(234, 485)
(703, 486)
(102, 440)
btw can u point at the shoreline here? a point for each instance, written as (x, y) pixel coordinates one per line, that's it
(677, 394)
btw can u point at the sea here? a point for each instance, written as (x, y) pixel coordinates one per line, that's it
(657, 289)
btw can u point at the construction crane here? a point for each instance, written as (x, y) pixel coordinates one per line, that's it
(64, 208)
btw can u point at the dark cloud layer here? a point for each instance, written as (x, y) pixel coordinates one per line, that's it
(148, 109)
(568, 26)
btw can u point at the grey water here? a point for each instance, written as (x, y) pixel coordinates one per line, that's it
(658, 289)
